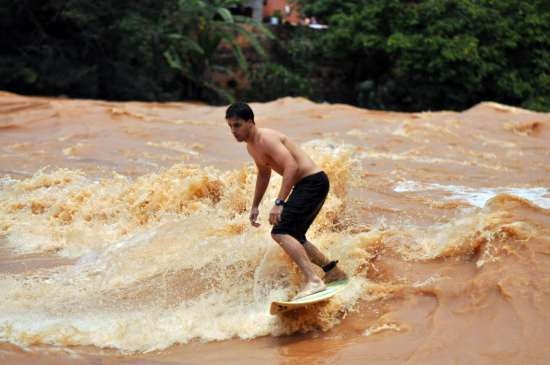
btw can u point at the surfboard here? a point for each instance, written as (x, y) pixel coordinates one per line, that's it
(332, 288)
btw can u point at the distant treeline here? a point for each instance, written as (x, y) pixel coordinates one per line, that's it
(386, 54)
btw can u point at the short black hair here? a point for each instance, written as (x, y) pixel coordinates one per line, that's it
(239, 110)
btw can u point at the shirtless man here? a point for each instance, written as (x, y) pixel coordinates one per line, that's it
(290, 218)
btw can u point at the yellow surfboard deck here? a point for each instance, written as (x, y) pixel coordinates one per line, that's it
(332, 288)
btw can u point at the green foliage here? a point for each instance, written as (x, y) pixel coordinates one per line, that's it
(417, 55)
(271, 81)
(295, 47)
(145, 50)
(388, 54)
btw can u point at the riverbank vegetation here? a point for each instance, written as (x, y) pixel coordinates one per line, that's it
(383, 54)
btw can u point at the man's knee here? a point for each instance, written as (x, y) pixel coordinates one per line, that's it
(277, 237)
(280, 238)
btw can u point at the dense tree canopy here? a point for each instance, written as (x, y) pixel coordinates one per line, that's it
(439, 53)
(389, 54)
(119, 49)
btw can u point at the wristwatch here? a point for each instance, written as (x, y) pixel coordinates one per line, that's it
(279, 202)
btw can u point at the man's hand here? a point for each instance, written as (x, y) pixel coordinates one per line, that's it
(275, 214)
(253, 216)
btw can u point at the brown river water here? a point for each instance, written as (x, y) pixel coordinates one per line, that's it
(124, 236)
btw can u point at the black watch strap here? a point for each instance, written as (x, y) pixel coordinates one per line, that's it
(279, 202)
(331, 265)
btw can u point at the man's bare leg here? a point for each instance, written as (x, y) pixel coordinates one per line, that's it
(298, 254)
(320, 260)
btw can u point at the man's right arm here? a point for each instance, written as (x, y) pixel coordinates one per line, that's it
(262, 181)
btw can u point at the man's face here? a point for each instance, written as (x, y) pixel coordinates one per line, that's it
(239, 128)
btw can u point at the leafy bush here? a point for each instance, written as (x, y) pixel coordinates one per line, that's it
(120, 49)
(271, 81)
(428, 54)
(388, 54)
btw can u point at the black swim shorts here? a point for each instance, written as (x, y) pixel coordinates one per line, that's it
(303, 205)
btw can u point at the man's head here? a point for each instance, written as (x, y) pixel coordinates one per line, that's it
(240, 119)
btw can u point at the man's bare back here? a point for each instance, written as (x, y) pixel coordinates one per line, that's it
(271, 148)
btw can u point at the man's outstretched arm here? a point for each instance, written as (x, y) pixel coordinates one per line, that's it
(262, 181)
(282, 157)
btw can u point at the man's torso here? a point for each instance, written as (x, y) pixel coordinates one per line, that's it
(305, 164)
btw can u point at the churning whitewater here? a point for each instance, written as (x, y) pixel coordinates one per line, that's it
(125, 226)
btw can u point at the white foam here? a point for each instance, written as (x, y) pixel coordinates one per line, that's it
(479, 196)
(328, 146)
(7, 181)
(164, 258)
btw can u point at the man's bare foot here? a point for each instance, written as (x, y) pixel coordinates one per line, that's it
(310, 288)
(334, 275)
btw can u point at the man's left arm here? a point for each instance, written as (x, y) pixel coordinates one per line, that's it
(282, 157)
